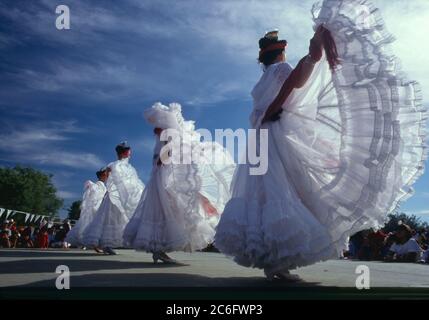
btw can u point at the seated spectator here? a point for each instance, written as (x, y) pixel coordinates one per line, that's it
(26, 235)
(421, 239)
(66, 225)
(34, 236)
(405, 248)
(376, 243)
(12, 225)
(355, 243)
(5, 235)
(60, 235)
(388, 242)
(15, 237)
(364, 252)
(51, 235)
(43, 238)
(425, 257)
(67, 228)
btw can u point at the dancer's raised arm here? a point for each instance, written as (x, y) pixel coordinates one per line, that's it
(302, 72)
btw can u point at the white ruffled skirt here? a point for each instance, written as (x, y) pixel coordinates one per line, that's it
(91, 201)
(169, 216)
(344, 154)
(75, 235)
(107, 227)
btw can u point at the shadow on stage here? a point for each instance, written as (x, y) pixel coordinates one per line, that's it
(24, 253)
(50, 265)
(164, 279)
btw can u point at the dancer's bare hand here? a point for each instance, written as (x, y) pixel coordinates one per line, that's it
(316, 44)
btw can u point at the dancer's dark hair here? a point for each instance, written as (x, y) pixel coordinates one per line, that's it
(99, 173)
(268, 50)
(269, 57)
(122, 147)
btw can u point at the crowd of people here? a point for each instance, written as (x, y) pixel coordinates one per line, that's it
(46, 235)
(403, 245)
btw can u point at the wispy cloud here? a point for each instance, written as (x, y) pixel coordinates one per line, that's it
(423, 194)
(143, 144)
(215, 37)
(408, 22)
(42, 144)
(197, 52)
(100, 80)
(121, 56)
(423, 214)
(67, 195)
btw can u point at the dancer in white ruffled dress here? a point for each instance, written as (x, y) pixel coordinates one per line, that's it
(345, 144)
(91, 200)
(181, 204)
(124, 190)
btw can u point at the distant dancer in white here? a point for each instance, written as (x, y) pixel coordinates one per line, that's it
(91, 200)
(124, 189)
(346, 138)
(182, 202)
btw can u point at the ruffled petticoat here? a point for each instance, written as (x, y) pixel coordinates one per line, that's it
(91, 201)
(344, 154)
(265, 224)
(107, 227)
(169, 216)
(124, 189)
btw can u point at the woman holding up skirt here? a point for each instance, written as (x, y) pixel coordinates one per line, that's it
(346, 134)
(182, 202)
(124, 189)
(91, 201)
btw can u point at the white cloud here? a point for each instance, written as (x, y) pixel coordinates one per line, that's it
(408, 21)
(224, 33)
(423, 194)
(67, 195)
(145, 144)
(422, 214)
(69, 159)
(41, 144)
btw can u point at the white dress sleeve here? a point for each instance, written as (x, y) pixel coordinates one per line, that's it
(266, 90)
(92, 197)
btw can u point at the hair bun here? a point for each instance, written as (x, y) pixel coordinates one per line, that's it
(265, 42)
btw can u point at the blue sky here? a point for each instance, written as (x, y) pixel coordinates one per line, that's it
(68, 97)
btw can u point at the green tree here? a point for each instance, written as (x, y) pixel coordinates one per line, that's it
(413, 221)
(74, 210)
(29, 190)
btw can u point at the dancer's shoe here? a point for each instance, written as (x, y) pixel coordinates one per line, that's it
(98, 250)
(163, 257)
(282, 275)
(109, 251)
